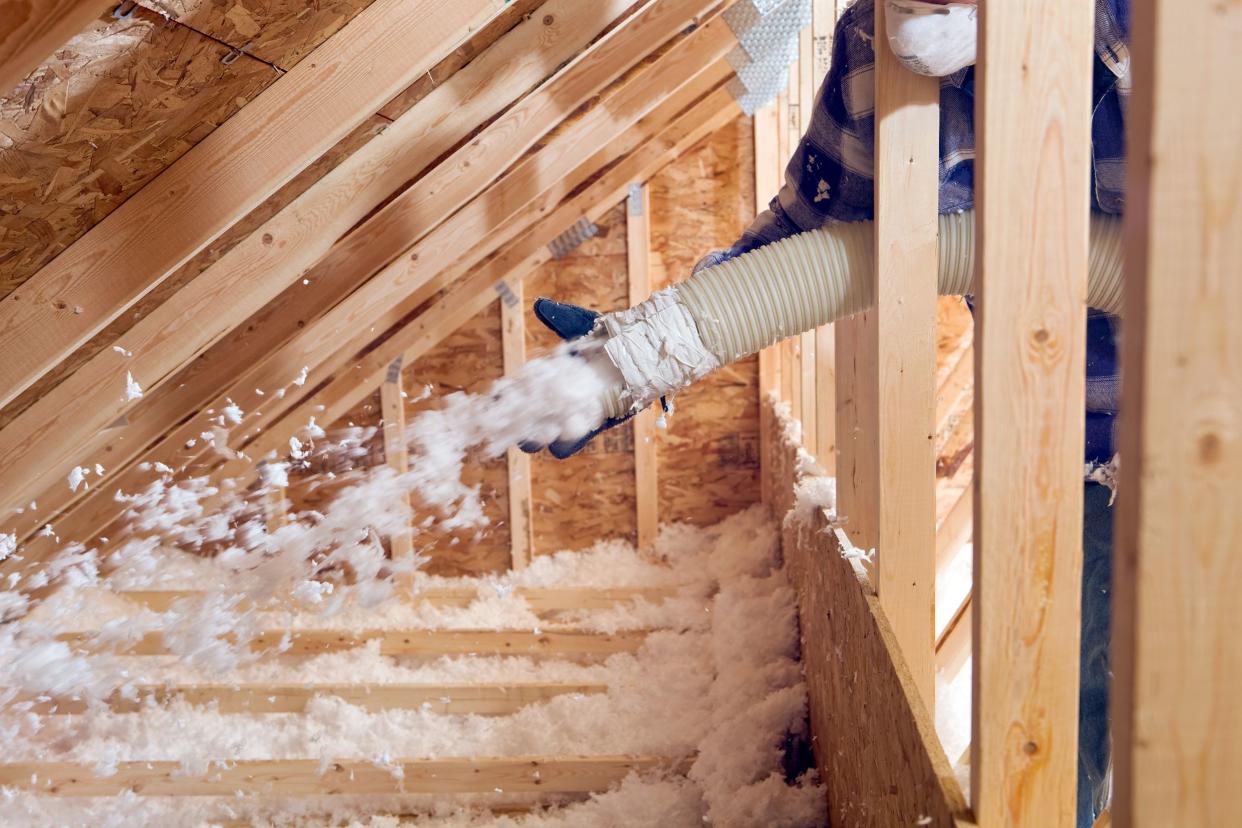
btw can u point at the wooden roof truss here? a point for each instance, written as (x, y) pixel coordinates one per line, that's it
(407, 237)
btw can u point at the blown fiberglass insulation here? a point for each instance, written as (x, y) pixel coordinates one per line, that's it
(325, 559)
(720, 682)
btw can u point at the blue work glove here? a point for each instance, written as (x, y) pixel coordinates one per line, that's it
(571, 322)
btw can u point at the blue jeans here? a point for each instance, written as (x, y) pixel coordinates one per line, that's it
(1093, 663)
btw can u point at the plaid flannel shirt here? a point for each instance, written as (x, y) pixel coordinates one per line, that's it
(830, 177)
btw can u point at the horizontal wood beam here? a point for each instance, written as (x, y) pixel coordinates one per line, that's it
(230, 172)
(875, 740)
(306, 777)
(283, 248)
(557, 599)
(402, 642)
(477, 699)
(31, 30)
(539, 599)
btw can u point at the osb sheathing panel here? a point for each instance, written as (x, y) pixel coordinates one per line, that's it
(463, 54)
(269, 327)
(280, 32)
(259, 325)
(954, 447)
(469, 360)
(954, 333)
(590, 496)
(104, 115)
(874, 740)
(314, 483)
(709, 454)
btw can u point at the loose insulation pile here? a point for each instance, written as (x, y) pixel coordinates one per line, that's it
(716, 682)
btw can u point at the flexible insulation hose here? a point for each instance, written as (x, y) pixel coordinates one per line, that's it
(799, 283)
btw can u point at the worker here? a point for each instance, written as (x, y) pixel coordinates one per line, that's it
(808, 260)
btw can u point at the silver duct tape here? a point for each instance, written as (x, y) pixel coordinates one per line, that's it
(738, 58)
(761, 33)
(581, 230)
(772, 71)
(506, 293)
(767, 6)
(748, 100)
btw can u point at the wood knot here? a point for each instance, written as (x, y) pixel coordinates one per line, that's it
(1209, 448)
(1030, 748)
(267, 238)
(1041, 335)
(548, 19)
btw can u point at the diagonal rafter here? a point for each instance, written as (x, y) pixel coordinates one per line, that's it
(230, 172)
(464, 299)
(474, 293)
(647, 148)
(99, 507)
(293, 240)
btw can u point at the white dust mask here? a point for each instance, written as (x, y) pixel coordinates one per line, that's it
(930, 38)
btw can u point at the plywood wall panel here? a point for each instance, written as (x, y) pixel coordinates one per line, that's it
(314, 483)
(469, 360)
(512, 14)
(955, 332)
(280, 32)
(590, 496)
(191, 269)
(709, 454)
(450, 64)
(99, 119)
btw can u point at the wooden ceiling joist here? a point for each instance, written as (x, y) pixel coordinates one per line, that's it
(441, 118)
(189, 321)
(288, 126)
(418, 642)
(91, 177)
(307, 777)
(540, 600)
(444, 699)
(417, 270)
(30, 30)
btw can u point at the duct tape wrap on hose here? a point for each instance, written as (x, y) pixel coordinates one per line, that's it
(736, 308)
